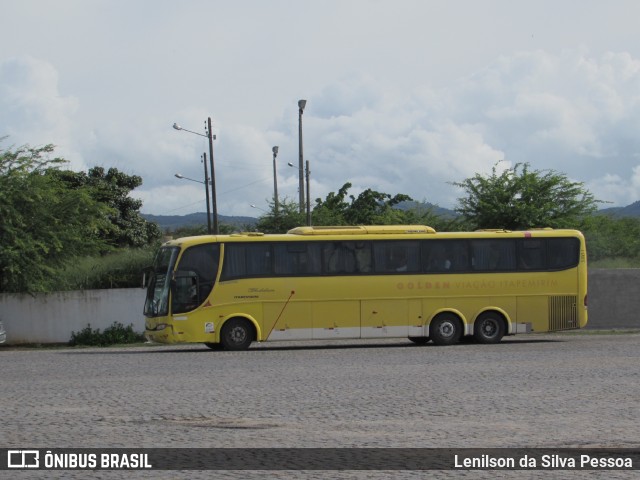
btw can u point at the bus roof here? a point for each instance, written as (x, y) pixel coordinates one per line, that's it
(361, 230)
(368, 232)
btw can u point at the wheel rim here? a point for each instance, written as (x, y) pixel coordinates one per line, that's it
(447, 329)
(489, 328)
(237, 335)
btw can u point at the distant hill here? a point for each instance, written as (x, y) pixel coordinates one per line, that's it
(426, 206)
(632, 210)
(172, 222)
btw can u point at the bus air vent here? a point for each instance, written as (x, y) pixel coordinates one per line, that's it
(563, 312)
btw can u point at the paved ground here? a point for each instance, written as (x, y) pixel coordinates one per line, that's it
(549, 391)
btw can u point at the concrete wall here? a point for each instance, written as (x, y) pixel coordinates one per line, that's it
(614, 302)
(50, 318)
(614, 298)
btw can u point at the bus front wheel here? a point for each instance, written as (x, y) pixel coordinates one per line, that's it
(236, 334)
(489, 328)
(445, 329)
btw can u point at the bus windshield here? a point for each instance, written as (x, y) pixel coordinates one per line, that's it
(157, 302)
(194, 277)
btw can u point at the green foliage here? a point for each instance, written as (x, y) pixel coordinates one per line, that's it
(286, 218)
(51, 217)
(520, 198)
(340, 208)
(121, 269)
(126, 227)
(116, 334)
(612, 238)
(421, 215)
(44, 224)
(195, 230)
(368, 208)
(615, 262)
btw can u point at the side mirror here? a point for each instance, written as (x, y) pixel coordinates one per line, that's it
(146, 276)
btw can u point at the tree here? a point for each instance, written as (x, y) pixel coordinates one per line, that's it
(126, 227)
(288, 217)
(611, 237)
(368, 208)
(44, 223)
(521, 198)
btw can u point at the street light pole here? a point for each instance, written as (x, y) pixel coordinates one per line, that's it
(214, 203)
(211, 137)
(301, 105)
(275, 181)
(206, 189)
(308, 173)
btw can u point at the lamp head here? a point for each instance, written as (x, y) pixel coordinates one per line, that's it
(177, 127)
(178, 175)
(275, 150)
(301, 105)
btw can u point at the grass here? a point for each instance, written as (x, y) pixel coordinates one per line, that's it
(615, 262)
(122, 269)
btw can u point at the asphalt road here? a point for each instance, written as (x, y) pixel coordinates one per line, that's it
(536, 391)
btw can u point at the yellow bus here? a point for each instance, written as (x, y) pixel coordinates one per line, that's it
(228, 291)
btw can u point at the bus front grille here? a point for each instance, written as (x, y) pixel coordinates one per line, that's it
(563, 312)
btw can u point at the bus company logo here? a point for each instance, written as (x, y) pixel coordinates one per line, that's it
(23, 459)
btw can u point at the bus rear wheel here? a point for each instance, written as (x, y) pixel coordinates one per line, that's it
(489, 328)
(237, 334)
(445, 329)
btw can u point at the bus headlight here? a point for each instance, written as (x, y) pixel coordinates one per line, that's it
(161, 326)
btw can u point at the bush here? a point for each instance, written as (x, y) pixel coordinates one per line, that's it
(115, 334)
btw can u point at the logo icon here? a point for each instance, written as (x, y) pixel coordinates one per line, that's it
(23, 459)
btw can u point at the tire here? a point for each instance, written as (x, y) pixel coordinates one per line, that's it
(237, 334)
(420, 340)
(489, 328)
(445, 329)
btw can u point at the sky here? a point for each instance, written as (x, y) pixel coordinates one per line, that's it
(403, 96)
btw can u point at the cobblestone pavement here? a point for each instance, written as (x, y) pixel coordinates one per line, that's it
(551, 391)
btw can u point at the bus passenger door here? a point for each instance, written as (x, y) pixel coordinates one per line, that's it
(384, 318)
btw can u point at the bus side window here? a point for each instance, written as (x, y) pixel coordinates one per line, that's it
(436, 256)
(493, 255)
(562, 253)
(297, 258)
(363, 256)
(397, 256)
(339, 257)
(246, 260)
(531, 254)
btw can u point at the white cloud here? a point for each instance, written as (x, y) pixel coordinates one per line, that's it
(32, 109)
(570, 111)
